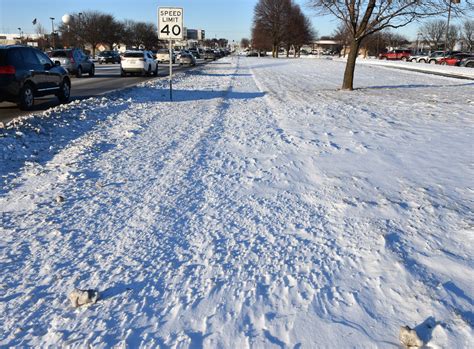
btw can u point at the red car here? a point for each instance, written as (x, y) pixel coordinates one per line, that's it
(453, 59)
(396, 55)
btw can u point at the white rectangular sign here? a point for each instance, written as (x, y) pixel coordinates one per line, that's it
(170, 23)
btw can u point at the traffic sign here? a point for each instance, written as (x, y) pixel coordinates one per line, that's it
(170, 23)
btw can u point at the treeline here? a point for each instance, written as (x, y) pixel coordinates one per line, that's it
(280, 23)
(93, 28)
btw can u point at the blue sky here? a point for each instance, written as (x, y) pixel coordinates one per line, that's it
(229, 19)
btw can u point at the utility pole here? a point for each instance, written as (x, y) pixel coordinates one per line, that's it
(446, 37)
(52, 31)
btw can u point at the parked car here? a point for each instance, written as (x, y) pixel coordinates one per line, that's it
(209, 54)
(108, 57)
(163, 55)
(420, 57)
(467, 62)
(141, 62)
(454, 59)
(437, 55)
(74, 61)
(26, 73)
(398, 54)
(187, 58)
(195, 53)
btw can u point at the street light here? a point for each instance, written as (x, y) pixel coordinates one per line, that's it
(19, 32)
(52, 30)
(447, 26)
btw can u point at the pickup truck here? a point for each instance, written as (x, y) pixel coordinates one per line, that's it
(403, 55)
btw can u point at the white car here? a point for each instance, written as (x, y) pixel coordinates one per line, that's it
(163, 55)
(140, 62)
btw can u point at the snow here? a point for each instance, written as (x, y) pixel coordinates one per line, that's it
(262, 208)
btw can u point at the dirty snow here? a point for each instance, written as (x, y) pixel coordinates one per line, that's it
(263, 208)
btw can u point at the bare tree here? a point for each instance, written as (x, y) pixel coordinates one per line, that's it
(140, 34)
(244, 43)
(453, 37)
(467, 33)
(366, 17)
(433, 33)
(260, 40)
(270, 19)
(298, 30)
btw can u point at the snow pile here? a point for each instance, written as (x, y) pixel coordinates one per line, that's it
(261, 208)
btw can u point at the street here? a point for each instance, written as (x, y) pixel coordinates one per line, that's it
(107, 78)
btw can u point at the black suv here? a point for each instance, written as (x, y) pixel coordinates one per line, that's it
(108, 57)
(26, 73)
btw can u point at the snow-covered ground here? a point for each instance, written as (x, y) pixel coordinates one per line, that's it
(263, 208)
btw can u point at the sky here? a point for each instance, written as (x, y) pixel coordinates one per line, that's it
(230, 19)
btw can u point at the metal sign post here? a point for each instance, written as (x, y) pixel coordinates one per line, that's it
(170, 27)
(171, 69)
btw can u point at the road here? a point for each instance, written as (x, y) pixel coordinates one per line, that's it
(106, 79)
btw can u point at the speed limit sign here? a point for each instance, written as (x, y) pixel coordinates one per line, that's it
(170, 23)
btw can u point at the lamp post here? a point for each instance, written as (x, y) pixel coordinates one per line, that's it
(52, 31)
(19, 32)
(78, 29)
(446, 37)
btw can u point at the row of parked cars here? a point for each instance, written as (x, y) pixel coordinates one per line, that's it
(454, 58)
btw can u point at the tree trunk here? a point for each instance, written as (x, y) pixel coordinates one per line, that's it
(348, 82)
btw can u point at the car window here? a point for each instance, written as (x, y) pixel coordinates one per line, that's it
(43, 59)
(133, 54)
(58, 54)
(29, 58)
(14, 58)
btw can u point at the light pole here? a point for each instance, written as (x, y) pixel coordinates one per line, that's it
(52, 31)
(446, 37)
(19, 32)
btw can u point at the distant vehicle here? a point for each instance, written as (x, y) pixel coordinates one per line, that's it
(74, 61)
(467, 62)
(140, 62)
(454, 59)
(26, 73)
(437, 55)
(398, 54)
(187, 58)
(163, 55)
(195, 53)
(108, 57)
(420, 57)
(209, 54)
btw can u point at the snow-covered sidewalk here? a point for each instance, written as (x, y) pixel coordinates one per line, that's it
(262, 208)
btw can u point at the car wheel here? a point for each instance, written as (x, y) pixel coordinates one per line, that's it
(100, 62)
(443, 63)
(92, 72)
(79, 72)
(421, 61)
(433, 61)
(26, 97)
(470, 65)
(64, 91)
(404, 59)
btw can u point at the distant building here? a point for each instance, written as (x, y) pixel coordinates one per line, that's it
(23, 38)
